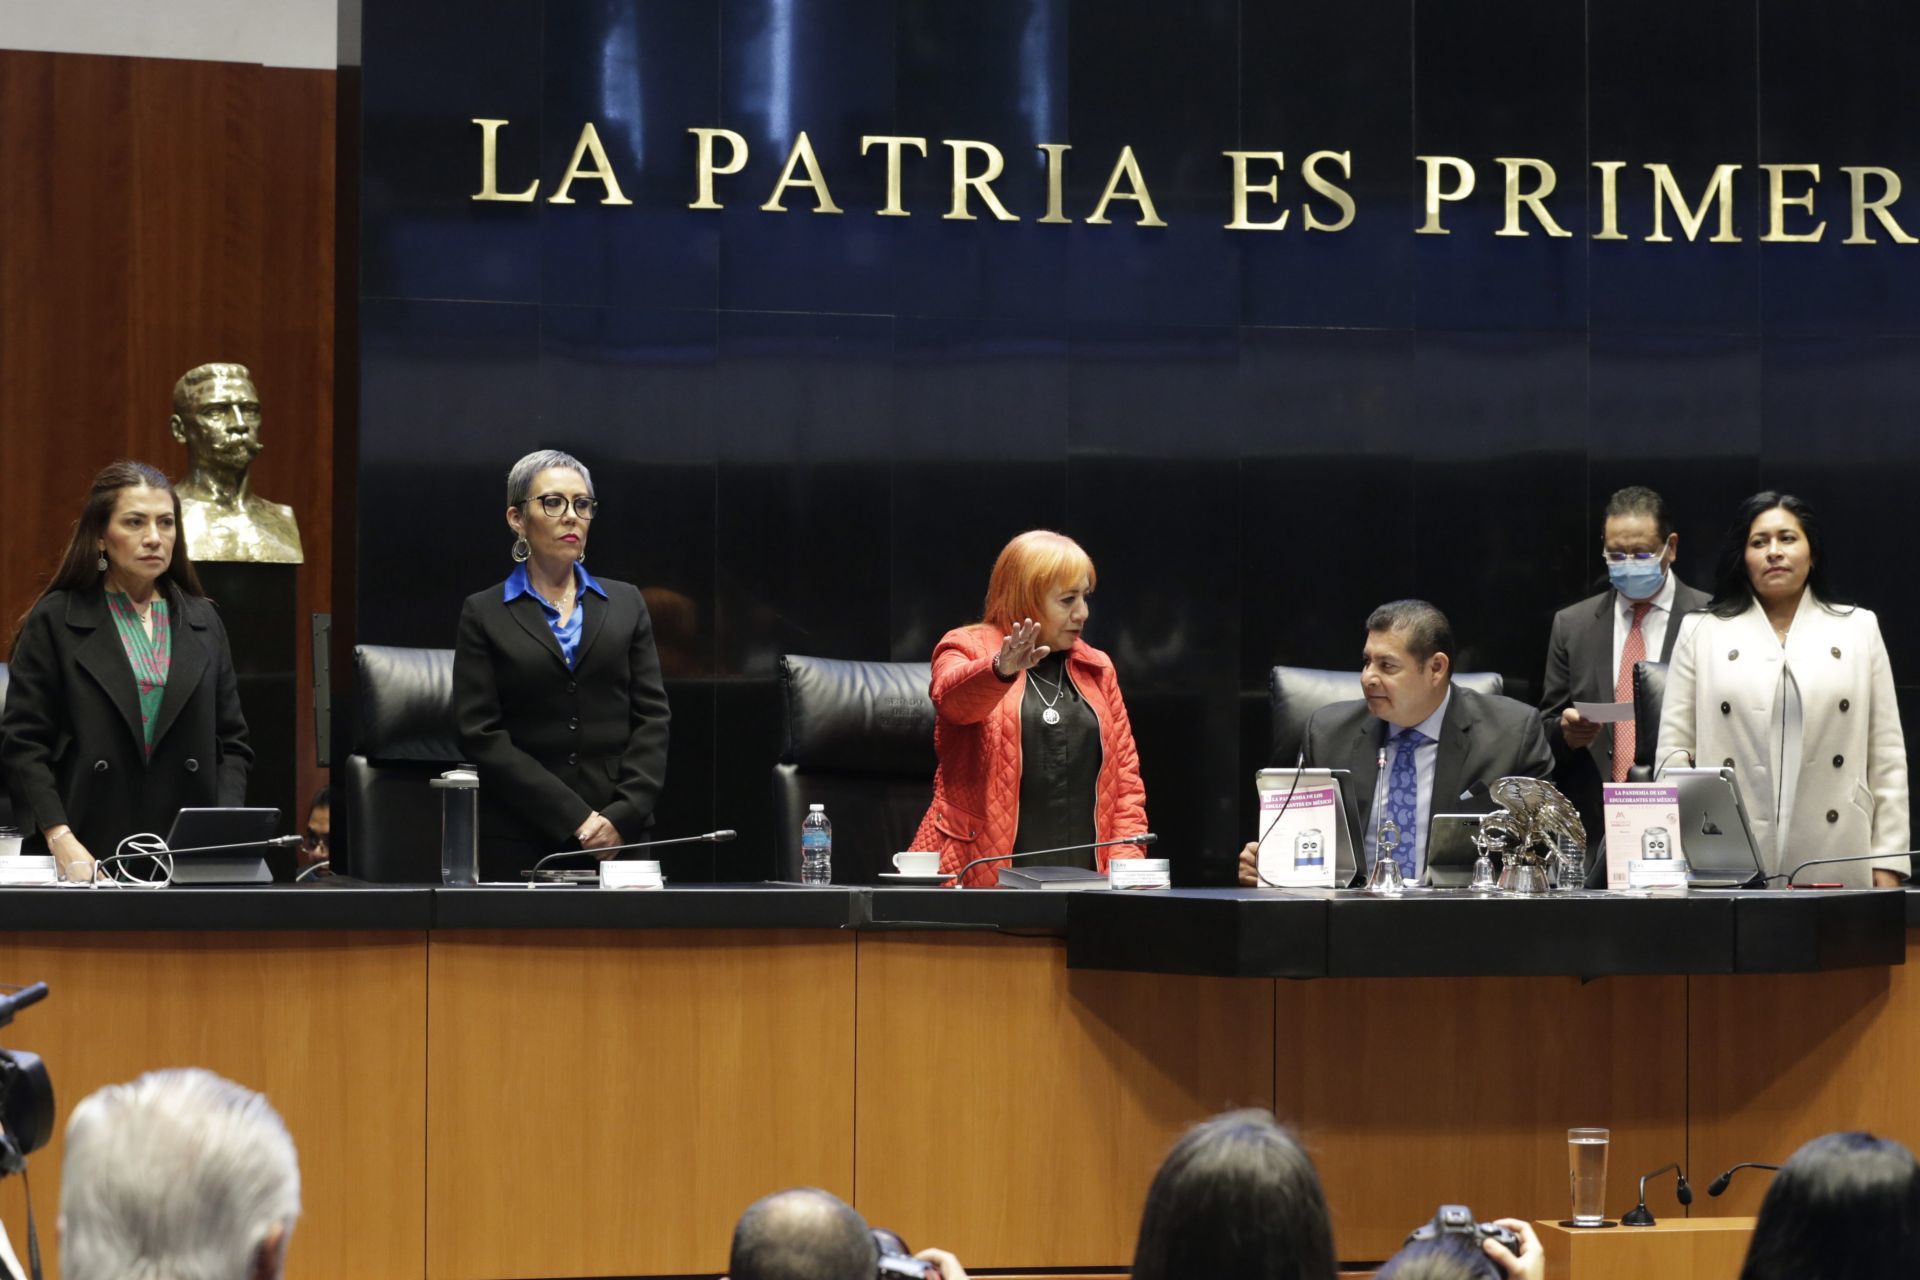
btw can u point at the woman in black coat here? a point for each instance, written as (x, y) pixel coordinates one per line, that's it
(122, 707)
(556, 685)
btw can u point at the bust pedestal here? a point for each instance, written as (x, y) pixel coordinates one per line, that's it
(257, 606)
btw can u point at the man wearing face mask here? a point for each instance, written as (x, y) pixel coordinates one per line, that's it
(1415, 744)
(1593, 648)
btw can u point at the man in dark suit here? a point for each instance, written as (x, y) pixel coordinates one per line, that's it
(1416, 744)
(1594, 645)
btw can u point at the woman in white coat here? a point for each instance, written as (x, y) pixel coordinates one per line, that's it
(1790, 686)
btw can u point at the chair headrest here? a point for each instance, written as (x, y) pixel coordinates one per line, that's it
(871, 717)
(404, 704)
(1297, 692)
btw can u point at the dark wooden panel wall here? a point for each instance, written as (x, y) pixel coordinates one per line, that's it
(155, 215)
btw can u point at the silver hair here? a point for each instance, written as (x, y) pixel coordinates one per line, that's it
(520, 475)
(179, 1175)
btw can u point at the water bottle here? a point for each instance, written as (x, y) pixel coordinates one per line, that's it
(816, 847)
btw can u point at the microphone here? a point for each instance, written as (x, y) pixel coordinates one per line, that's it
(1639, 1215)
(271, 842)
(1299, 763)
(1719, 1184)
(710, 837)
(1144, 838)
(15, 1001)
(1821, 862)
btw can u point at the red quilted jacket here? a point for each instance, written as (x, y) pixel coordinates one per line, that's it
(976, 792)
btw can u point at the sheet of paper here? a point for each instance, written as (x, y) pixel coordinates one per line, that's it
(1605, 712)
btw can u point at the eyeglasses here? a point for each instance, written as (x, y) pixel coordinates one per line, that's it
(317, 840)
(554, 505)
(1632, 557)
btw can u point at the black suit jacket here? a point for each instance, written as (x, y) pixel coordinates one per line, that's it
(553, 745)
(1482, 738)
(70, 733)
(1580, 669)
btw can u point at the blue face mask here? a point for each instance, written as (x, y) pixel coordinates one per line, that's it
(1638, 579)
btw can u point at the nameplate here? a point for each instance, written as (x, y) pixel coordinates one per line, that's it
(616, 874)
(1139, 873)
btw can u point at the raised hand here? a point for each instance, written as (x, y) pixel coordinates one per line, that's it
(1020, 650)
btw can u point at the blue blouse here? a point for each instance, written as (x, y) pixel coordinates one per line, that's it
(568, 632)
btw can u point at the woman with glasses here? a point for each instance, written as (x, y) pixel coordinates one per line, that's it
(556, 685)
(1787, 683)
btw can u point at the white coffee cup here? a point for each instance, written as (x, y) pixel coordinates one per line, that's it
(10, 841)
(917, 864)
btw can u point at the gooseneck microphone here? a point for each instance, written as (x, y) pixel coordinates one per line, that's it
(710, 837)
(1640, 1215)
(1667, 758)
(1821, 862)
(1144, 838)
(1719, 1184)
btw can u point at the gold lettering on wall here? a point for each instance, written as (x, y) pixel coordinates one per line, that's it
(1056, 181)
(1270, 189)
(1719, 191)
(1310, 170)
(977, 183)
(1889, 192)
(801, 154)
(704, 167)
(1129, 168)
(1609, 199)
(1543, 187)
(1778, 200)
(893, 208)
(602, 171)
(1462, 188)
(489, 177)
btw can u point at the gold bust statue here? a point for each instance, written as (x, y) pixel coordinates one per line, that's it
(216, 414)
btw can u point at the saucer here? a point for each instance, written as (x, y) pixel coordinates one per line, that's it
(902, 878)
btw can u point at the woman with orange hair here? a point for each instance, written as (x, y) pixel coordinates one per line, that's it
(1033, 739)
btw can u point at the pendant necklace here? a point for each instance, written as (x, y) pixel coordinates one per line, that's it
(1048, 715)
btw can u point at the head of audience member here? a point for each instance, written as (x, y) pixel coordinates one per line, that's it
(176, 1175)
(1638, 542)
(1237, 1198)
(1444, 1259)
(316, 842)
(1846, 1205)
(1773, 551)
(802, 1234)
(550, 508)
(1044, 576)
(1407, 665)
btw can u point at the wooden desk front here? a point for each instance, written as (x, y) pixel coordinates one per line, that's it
(1672, 1249)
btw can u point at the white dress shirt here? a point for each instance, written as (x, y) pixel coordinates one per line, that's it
(1425, 759)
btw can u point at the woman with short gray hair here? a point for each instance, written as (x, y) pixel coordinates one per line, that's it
(556, 685)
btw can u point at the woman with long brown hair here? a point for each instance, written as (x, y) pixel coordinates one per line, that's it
(122, 706)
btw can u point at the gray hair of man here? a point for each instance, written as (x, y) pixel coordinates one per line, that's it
(521, 475)
(178, 1175)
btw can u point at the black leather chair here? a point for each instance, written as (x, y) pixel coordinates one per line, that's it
(858, 739)
(1649, 695)
(1295, 693)
(403, 736)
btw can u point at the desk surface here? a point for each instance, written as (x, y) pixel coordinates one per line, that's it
(1254, 933)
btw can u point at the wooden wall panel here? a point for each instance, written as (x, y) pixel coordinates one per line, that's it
(330, 1026)
(160, 214)
(1780, 1059)
(1015, 1112)
(606, 1103)
(1416, 1092)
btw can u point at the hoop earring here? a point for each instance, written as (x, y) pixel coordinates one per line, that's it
(521, 551)
(102, 566)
